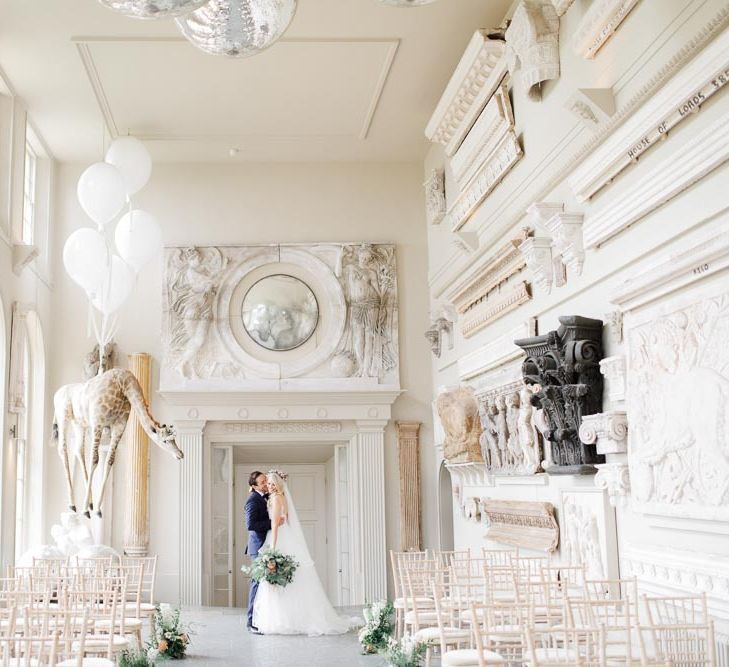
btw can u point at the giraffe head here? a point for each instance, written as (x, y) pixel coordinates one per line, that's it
(165, 436)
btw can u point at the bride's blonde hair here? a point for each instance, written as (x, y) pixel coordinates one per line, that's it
(278, 478)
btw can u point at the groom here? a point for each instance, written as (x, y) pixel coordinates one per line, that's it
(258, 523)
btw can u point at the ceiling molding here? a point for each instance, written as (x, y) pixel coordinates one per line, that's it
(84, 43)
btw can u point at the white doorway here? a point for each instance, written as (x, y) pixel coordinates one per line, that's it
(308, 486)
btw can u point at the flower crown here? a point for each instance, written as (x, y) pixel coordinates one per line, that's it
(283, 475)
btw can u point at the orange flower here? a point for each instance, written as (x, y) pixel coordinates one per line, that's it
(163, 646)
(271, 566)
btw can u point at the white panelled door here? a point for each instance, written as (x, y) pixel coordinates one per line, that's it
(307, 486)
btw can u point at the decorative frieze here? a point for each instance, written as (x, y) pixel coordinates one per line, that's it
(524, 524)
(566, 230)
(458, 413)
(495, 159)
(441, 328)
(483, 314)
(613, 369)
(614, 478)
(563, 368)
(408, 451)
(282, 427)
(537, 253)
(599, 23)
(474, 81)
(608, 431)
(532, 44)
(435, 196)
(685, 165)
(679, 97)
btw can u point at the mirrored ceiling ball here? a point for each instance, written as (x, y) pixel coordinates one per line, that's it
(153, 9)
(237, 28)
(406, 3)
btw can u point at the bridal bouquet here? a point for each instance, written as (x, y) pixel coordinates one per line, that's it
(378, 626)
(272, 566)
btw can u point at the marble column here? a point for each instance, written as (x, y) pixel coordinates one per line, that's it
(190, 440)
(136, 520)
(371, 485)
(408, 451)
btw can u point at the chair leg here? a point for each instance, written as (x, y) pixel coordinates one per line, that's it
(428, 653)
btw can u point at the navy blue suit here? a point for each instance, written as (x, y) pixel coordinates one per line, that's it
(258, 523)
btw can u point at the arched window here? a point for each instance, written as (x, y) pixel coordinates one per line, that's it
(26, 454)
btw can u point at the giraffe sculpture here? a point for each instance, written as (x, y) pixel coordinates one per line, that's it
(99, 404)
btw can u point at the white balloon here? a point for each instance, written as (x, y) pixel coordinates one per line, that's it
(138, 238)
(116, 288)
(101, 192)
(132, 159)
(86, 258)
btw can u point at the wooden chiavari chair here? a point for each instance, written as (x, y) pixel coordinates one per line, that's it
(500, 630)
(400, 561)
(450, 633)
(147, 605)
(450, 558)
(28, 648)
(481, 655)
(583, 647)
(570, 577)
(614, 616)
(499, 557)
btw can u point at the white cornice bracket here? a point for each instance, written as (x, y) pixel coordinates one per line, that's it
(537, 252)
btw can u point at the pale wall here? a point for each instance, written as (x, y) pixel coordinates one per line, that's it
(241, 204)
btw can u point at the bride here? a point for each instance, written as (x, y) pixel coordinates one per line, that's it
(302, 607)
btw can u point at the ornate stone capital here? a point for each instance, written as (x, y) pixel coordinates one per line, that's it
(566, 230)
(613, 368)
(615, 479)
(537, 252)
(607, 430)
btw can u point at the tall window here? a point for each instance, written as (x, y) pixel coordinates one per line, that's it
(21, 460)
(29, 195)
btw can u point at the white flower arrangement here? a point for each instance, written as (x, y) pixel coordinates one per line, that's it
(378, 626)
(405, 652)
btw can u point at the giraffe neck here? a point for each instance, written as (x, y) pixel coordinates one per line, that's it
(134, 395)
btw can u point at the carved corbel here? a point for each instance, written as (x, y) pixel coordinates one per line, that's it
(613, 369)
(592, 106)
(608, 431)
(615, 479)
(435, 196)
(566, 230)
(532, 44)
(435, 334)
(537, 252)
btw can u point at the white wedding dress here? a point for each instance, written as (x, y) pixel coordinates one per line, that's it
(302, 607)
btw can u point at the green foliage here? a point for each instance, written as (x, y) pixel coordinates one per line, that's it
(170, 636)
(135, 658)
(407, 652)
(378, 626)
(272, 566)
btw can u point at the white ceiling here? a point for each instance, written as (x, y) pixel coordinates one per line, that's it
(352, 80)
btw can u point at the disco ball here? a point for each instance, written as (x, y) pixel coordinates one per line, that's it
(153, 9)
(406, 3)
(237, 28)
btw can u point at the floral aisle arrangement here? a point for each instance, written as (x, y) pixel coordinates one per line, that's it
(405, 652)
(272, 566)
(170, 636)
(135, 658)
(378, 626)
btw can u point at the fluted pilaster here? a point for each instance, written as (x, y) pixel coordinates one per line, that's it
(371, 468)
(136, 520)
(408, 450)
(190, 440)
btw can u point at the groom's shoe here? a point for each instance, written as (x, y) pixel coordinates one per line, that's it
(254, 630)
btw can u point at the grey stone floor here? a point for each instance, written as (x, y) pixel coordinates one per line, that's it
(221, 639)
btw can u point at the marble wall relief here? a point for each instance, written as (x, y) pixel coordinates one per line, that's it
(587, 538)
(529, 525)
(679, 432)
(209, 343)
(562, 368)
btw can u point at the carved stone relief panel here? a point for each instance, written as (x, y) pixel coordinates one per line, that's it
(598, 24)
(206, 345)
(532, 44)
(458, 414)
(435, 196)
(440, 329)
(588, 533)
(562, 367)
(678, 452)
(529, 525)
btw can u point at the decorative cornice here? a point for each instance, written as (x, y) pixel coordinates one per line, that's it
(703, 255)
(469, 474)
(475, 79)
(608, 431)
(598, 24)
(537, 252)
(678, 171)
(498, 352)
(693, 75)
(488, 273)
(281, 427)
(492, 309)
(518, 523)
(614, 478)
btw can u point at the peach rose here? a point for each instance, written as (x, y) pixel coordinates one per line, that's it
(163, 646)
